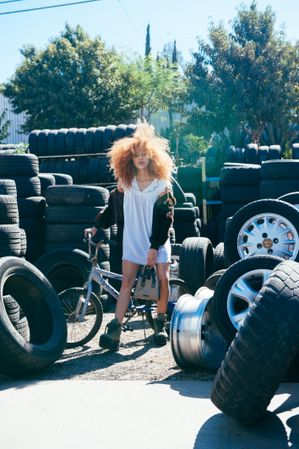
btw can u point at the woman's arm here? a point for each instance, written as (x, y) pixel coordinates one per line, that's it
(162, 219)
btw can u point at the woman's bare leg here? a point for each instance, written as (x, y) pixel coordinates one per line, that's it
(129, 270)
(163, 272)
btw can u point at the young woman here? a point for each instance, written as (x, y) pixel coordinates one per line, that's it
(143, 205)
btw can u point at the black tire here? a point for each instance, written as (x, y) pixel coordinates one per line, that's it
(240, 194)
(246, 174)
(80, 333)
(251, 154)
(274, 152)
(280, 169)
(184, 230)
(263, 349)
(70, 141)
(8, 187)
(278, 187)
(263, 153)
(32, 207)
(292, 198)
(229, 302)
(212, 280)
(243, 216)
(77, 195)
(18, 165)
(65, 268)
(10, 240)
(108, 137)
(119, 132)
(62, 179)
(9, 212)
(72, 214)
(178, 192)
(184, 214)
(33, 141)
(23, 243)
(46, 320)
(219, 262)
(27, 186)
(177, 288)
(196, 262)
(51, 142)
(61, 141)
(89, 140)
(46, 180)
(42, 142)
(98, 140)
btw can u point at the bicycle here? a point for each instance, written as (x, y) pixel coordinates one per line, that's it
(83, 308)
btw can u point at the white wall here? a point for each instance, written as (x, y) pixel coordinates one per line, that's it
(16, 120)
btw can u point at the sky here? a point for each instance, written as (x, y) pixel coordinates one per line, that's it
(122, 23)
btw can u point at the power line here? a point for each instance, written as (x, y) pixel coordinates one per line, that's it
(47, 7)
(10, 1)
(132, 23)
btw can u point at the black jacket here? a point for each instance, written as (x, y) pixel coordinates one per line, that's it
(162, 216)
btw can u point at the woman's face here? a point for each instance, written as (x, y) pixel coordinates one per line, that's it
(140, 159)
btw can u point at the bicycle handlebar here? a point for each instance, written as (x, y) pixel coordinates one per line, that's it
(88, 239)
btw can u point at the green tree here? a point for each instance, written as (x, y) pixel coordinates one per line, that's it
(74, 81)
(148, 41)
(4, 124)
(247, 78)
(157, 84)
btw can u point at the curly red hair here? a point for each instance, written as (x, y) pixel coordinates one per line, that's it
(144, 139)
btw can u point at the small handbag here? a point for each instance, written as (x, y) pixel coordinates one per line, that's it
(147, 286)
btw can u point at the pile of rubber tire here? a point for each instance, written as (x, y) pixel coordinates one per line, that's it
(253, 153)
(79, 152)
(13, 240)
(23, 169)
(239, 185)
(32, 322)
(242, 319)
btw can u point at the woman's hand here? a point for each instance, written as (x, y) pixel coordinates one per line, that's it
(152, 257)
(92, 230)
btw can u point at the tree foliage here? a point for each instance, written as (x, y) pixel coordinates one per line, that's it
(4, 125)
(247, 78)
(158, 85)
(75, 81)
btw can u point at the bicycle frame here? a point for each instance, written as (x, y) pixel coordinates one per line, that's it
(99, 276)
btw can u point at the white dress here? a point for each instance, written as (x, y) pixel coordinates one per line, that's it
(138, 220)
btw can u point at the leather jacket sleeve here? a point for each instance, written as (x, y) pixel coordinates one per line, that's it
(162, 220)
(113, 212)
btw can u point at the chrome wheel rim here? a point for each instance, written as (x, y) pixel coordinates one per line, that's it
(242, 294)
(268, 234)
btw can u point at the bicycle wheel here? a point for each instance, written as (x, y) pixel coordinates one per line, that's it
(80, 332)
(177, 288)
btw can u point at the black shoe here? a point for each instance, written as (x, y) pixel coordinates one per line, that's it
(110, 339)
(161, 336)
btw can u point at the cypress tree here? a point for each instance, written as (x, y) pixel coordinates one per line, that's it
(174, 58)
(148, 41)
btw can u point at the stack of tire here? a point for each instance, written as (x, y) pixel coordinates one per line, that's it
(295, 151)
(83, 151)
(7, 146)
(186, 223)
(70, 209)
(23, 169)
(279, 177)
(189, 179)
(254, 154)
(52, 179)
(239, 185)
(32, 325)
(12, 238)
